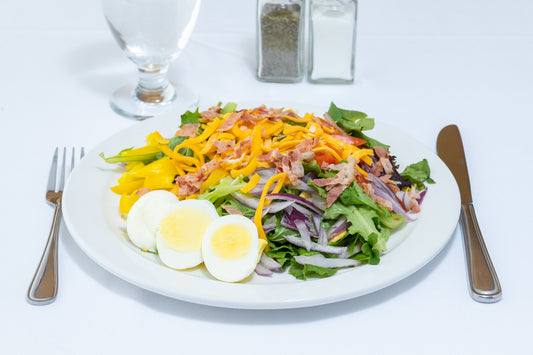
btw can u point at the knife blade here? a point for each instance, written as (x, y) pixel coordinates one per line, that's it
(483, 280)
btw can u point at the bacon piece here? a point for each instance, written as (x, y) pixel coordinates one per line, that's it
(383, 203)
(271, 157)
(242, 147)
(209, 166)
(190, 184)
(223, 146)
(336, 185)
(211, 113)
(230, 121)
(391, 184)
(384, 159)
(306, 148)
(188, 130)
(231, 209)
(327, 118)
(377, 168)
(333, 193)
(412, 200)
(290, 163)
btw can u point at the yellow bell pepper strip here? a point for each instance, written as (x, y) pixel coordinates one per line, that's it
(156, 137)
(127, 201)
(259, 211)
(159, 182)
(128, 187)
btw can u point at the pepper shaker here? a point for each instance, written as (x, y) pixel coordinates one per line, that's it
(332, 29)
(280, 32)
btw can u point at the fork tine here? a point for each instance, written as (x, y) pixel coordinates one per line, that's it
(53, 171)
(62, 175)
(82, 152)
(72, 159)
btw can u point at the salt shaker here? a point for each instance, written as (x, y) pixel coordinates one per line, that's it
(280, 34)
(332, 29)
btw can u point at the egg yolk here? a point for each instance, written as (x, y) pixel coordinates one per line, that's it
(231, 241)
(184, 228)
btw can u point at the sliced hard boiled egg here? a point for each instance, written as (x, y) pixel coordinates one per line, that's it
(231, 248)
(179, 238)
(146, 214)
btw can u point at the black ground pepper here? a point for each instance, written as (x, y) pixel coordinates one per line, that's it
(280, 52)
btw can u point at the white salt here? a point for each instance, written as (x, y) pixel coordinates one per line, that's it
(333, 40)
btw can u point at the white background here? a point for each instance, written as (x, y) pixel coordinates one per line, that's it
(420, 65)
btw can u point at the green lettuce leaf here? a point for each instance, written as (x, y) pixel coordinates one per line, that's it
(354, 123)
(226, 186)
(354, 195)
(177, 140)
(190, 117)
(418, 173)
(363, 222)
(229, 107)
(303, 272)
(283, 254)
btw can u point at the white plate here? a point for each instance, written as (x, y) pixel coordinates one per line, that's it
(91, 214)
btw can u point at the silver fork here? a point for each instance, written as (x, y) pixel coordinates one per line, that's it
(43, 287)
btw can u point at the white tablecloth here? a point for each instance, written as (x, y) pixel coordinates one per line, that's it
(420, 65)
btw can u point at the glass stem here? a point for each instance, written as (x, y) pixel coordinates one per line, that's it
(153, 86)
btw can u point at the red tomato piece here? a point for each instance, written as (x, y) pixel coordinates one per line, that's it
(325, 157)
(349, 139)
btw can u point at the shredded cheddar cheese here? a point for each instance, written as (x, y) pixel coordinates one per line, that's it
(279, 178)
(237, 146)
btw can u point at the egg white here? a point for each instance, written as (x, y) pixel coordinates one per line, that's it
(146, 214)
(200, 215)
(227, 269)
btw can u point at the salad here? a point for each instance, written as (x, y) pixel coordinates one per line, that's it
(322, 194)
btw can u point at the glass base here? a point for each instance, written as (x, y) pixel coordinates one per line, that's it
(124, 101)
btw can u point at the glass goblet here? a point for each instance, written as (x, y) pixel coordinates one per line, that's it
(152, 33)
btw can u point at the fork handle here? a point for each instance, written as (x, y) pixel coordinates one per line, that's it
(43, 287)
(484, 284)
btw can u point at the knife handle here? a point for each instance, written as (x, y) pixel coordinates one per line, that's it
(484, 284)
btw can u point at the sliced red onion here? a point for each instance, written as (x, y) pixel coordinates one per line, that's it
(382, 190)
(321, 261)
(298, 199)
(302, 186)
(262, 270)
(288, 221)
(347, 254)
(304, 233)
(257, 189)
(338, 227)
(422, 194)
(248, 201)
(270, 263)
(329, 249)
(318, 200)
(266, 173)
(275, 207)
(268, 228)
(322, 237)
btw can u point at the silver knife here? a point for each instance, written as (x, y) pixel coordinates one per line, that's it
(484, 284)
